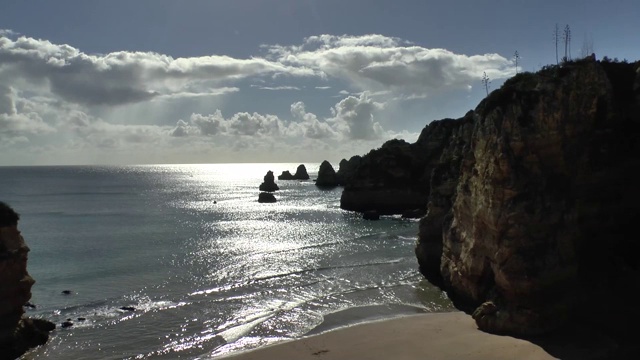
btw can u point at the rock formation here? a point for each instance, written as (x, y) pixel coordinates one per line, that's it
(326, 175)
(301, 173)
(531, 203)
(17, 333)
(269, 183)
(347, 169)
(395, 178)
(286, 175)
(265, 197)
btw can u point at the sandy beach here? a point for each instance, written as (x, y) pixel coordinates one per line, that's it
(429, 336)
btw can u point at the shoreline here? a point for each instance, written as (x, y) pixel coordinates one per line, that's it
(451, 335)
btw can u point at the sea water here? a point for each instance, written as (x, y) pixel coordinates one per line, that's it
(207, 269)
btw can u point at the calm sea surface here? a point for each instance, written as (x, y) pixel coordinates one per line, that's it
(208, 269)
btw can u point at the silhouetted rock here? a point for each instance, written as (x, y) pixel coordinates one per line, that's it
(128, 308)
(265, 197)
(66, 292)
(414, 214)
(269, 183)
(326, 175)
(286, 175)
(17, 333)
(531, 203)
(371, 215)
(347, 169)
(67, 324)
(301, 173)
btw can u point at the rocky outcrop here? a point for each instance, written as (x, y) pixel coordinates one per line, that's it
(395, 178)
(347, 169)
(265, 197)
(326, 175)
(531, 204)
(269, 183)
(17, 333)
(301, 173)
(286, 175)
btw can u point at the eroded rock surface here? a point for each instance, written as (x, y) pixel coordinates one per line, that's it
(531, 203)
(17, 333)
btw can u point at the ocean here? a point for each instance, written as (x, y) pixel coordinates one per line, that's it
(207, 270)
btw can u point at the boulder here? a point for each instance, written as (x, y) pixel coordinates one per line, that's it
(17, 332)
(265, 197)
(269, 183)
(326, 175)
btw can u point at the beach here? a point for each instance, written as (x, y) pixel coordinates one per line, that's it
(441, 336)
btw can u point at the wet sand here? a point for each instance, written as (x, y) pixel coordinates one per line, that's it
(442, 336)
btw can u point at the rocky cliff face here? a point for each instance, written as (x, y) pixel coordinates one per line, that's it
(532, 202)
(395, 178)
(17, 333)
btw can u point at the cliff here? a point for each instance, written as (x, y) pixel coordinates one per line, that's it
(530, 200)
(17, 333)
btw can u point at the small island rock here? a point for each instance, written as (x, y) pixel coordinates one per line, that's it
(326, 175)
(266, 197)
(269, 184)
(301, 173)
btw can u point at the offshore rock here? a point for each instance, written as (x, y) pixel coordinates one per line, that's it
(326, 175)
(265, 197)
(269, 183)
(531, 204)
(286, 175)
(301, 173)
(17, 333)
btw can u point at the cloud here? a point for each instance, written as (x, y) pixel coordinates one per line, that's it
(276, 87)
(16, 122)
(376, 62)
(356, 116)
(121, 77)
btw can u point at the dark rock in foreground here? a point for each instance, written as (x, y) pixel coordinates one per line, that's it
(347, 169)
(371, 215)
(326, 175)
(531, 204)
(265, 197)
(17, 333)
(269, 183)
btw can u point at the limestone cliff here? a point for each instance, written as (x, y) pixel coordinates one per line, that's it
(532, 203)
(395, 178)
(17, 333)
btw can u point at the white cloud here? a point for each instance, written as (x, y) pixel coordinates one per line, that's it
(356, 116)
(375, 62)
(121, 77)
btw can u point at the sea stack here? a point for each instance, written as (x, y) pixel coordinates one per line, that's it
(269, 183)
(326, 175)
(17, 332)
(301, 173)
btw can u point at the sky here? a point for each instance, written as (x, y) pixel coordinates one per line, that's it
(219, 81)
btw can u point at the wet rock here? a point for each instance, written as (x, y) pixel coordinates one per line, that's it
(371, 215)
(127, 308)
(67, 292)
